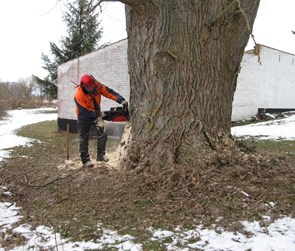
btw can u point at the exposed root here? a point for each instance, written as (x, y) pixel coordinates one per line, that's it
(229, 182)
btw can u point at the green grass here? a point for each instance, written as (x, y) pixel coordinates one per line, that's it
(40, 131)
(286, 147)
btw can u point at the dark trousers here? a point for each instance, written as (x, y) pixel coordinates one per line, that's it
(84, 130)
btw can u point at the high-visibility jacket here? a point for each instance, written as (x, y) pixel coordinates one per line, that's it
(88, 105)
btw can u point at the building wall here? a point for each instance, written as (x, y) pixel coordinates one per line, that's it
(269, 84)
(266, 85)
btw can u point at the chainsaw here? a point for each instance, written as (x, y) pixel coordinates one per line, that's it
(116, 114)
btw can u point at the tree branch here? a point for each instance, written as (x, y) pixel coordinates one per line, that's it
(229, 9)
(26, 182)
(249, 28)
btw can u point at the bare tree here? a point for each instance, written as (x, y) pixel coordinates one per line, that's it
(23, 88)
(22, 93)
(184, 58)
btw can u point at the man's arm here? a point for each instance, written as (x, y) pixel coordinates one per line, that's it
(111, 94)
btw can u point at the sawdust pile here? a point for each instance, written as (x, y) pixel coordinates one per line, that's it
(114, 156)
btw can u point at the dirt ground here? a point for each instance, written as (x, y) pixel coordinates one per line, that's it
(59, 193)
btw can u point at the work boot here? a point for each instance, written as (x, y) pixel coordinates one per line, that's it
(102, 158)
(88, 164)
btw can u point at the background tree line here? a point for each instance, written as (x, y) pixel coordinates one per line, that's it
(25, 93)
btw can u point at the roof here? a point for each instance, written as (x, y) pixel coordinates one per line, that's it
(252, 50)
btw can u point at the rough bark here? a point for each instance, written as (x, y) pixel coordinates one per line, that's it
(184, 58)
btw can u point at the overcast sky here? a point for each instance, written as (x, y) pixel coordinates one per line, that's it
(27, 27)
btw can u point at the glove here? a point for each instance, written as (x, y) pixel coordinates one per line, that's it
(124, 103)
(100, 123)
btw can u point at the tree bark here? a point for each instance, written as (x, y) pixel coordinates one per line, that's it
(184, 58)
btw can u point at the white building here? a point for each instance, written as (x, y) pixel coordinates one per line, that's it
(266, 80)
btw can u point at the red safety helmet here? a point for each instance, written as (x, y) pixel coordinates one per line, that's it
(89, 83)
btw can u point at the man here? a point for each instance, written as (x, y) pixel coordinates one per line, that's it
(87, 98)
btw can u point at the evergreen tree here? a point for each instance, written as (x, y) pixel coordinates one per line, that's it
(84, 33)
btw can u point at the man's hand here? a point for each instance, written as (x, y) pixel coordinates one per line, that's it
(124, 103)
(100, 123)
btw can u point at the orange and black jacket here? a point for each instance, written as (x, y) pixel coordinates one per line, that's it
(88, 105)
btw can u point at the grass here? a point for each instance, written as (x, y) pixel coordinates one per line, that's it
(41, 131)
(283, 147)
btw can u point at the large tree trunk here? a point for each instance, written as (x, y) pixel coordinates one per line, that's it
(184, 59)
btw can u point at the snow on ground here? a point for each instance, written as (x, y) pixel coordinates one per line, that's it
(15, 120)
(280, 129)
(278, 235)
